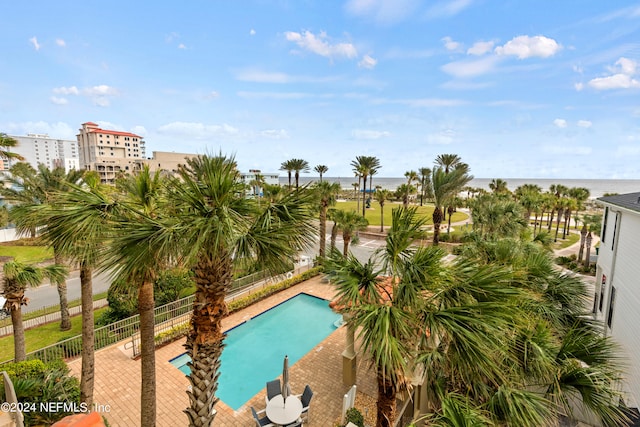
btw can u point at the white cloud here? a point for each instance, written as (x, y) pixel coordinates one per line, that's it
(71, 90)
(172, 36)
(34, 42)
(628, 150)
(320, 45)
(139, 130)
(60, 42)
(585, 123)
(59, 100)
(579, 86)
(108, 125)
(444, 137)
(422, 102)
(367, 62)
(182, 46)
(623, 69)
(57, 130)
(470, 68)
(616, 81)
(262, 77)
(100, 90)
(449, 44)
(369, 134)
(465, 85)
(274, 95)
(527, 47)
(578, 69)
(382, 11)
(197, 130)
(565, 149)
(561, 123)
(480, 48)
(275, 133)
(213, 94)
(252, 32)
(446, 8)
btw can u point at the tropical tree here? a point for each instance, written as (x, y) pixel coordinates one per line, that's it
(495, 217)
(17, 277)
(326, 193)
(445, 186)
(365, 166)
(404, 193)
(447, 161)
(350, 222)
(412, 176)
(30, 188)
(287, 166)
(75, 224)
(321, 169)
(580, 195)
(220, 230)
(381, 197)
(499, 186)
(297, 166)
(6, 144)
(424, 175)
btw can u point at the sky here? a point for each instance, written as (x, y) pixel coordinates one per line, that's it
(516, 88)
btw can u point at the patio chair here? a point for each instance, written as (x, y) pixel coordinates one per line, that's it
(261, 422)
(273, 389)
(305, 398)
(297, 423)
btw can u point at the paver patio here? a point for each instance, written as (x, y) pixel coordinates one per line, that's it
(117, 376)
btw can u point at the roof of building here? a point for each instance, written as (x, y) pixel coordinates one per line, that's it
(114, 132)
(629, 200)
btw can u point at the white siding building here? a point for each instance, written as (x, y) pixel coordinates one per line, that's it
(51, 152)
(617, 293)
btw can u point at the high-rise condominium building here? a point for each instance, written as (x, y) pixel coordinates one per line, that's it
(51, 152)
(109, 152)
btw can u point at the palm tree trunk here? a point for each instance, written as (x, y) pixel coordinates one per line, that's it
(382, 218)
(437, 220)
(550, 219)
(567, 221)
(364, 194)
(555, 239)
(19, 349)
(334, 235)
(386, 403)
(358, 196)
(323, 231)
(65, 319)
(346, 239)
(146, 305)
(213, 275)
(535, 224)
(88, 336)
(450, 209)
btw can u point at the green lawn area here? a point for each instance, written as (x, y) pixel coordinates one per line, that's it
(27, 254)
(373, 213)
(42, 336)
(570, 240)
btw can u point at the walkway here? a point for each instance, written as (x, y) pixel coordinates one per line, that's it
(117, 377)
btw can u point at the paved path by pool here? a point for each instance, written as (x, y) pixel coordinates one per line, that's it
(117, 381)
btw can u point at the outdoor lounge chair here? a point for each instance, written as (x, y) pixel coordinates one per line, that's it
(305, 398)
(298, 423)
(261, 422)
(273, 389)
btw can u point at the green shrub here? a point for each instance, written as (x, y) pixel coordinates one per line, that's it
(354, 416)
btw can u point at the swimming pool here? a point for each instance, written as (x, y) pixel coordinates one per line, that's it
(255, 349)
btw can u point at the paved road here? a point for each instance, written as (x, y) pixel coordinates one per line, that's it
(46, 295)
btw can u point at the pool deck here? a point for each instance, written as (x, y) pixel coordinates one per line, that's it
(117, 376)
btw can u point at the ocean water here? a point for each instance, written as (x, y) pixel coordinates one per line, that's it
(597, 187)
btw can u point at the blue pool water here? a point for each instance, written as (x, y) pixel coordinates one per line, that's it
(254, 350)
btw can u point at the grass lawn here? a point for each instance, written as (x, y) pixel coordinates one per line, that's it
(42, 336)
(373, 213)
(27, 254)
(570, 240)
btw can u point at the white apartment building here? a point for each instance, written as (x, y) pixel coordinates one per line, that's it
(617, 290)
(51, 152)
(109, 152)
(254, 176)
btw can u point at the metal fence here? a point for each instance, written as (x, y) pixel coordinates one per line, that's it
(170, 321)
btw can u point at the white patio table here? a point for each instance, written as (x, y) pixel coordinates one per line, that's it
(280, 413)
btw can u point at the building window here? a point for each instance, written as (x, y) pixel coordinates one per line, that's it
(603, 287)
(615, 227)
(612, 301)
(604, 223)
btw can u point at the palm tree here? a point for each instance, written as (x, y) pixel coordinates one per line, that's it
(499, 186)
(349, 222)
(17, 277)
(580, 195)
(365, 166)
(425, 183)
(6, 144)
(321, 169)
(221, 230)
(445, 186)
(29, 188)
(326, 193)
(404, 192)
(495, 217)
(75, 224)
(136, 256)
(287, 166)
(295, 165)
(375, 166)
(412, 176)
(381, 197)
(447, 161)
